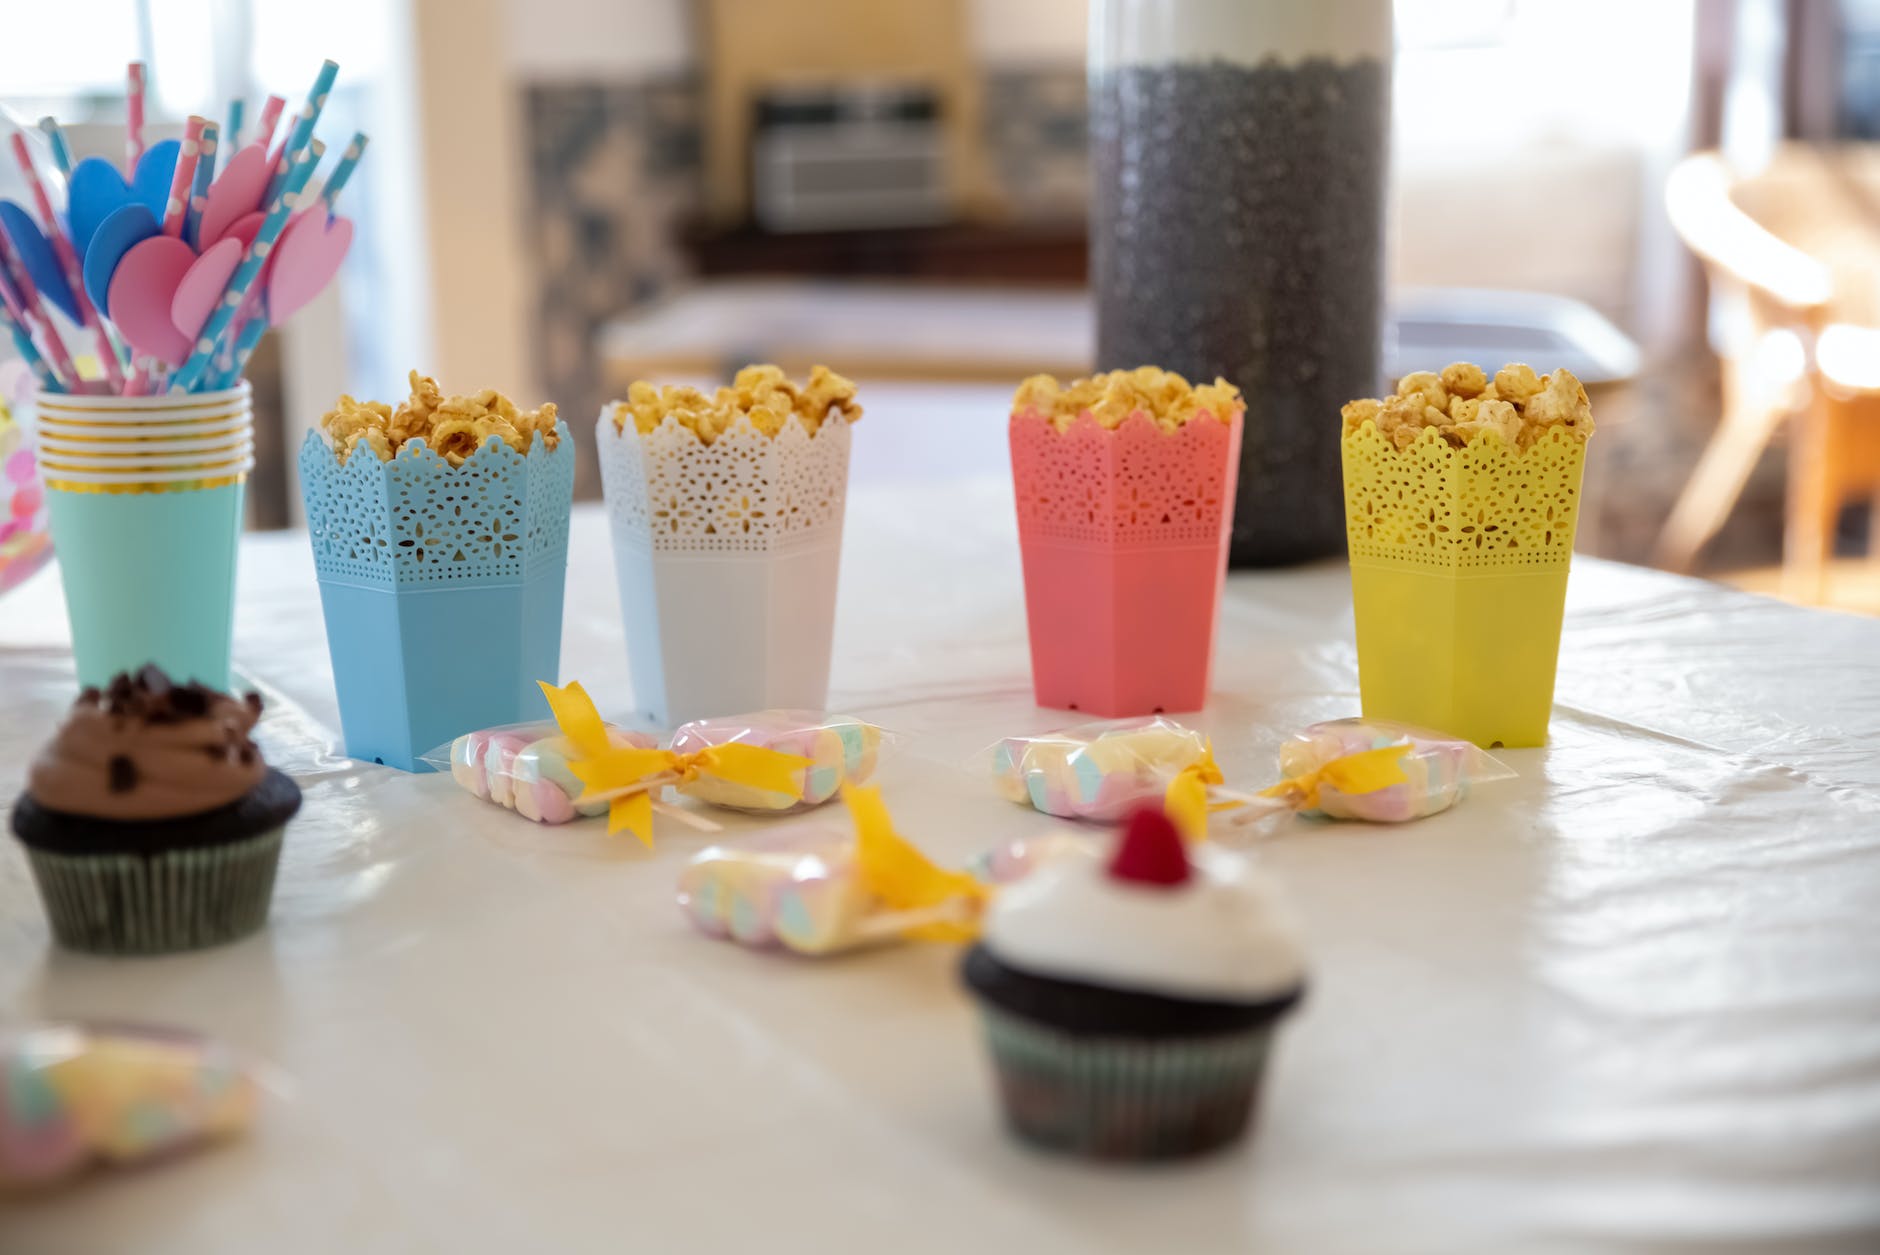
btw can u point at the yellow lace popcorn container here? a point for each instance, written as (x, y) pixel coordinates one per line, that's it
(1459, 564)
(726, 554)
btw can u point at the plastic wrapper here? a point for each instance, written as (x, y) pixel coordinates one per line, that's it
(72, 1096)
(1435, 771)
(528, 768)
(1097, 771)
(771, 762)
(816, 888)
(1012, 860)
(839, 749)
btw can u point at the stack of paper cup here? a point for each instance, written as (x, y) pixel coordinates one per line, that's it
(145, 495)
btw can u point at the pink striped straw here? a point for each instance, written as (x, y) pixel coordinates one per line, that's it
(68, 262)
(270, 118)
(134, 111)
(50, 343)
(177, 207)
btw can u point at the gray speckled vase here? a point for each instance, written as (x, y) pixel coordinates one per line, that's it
(1239, 151)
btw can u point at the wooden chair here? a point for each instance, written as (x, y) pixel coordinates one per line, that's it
(1793, 259)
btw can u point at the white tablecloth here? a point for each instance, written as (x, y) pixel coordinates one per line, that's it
(1629, 1001)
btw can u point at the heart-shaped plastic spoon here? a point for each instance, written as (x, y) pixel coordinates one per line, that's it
(203, 284)
(127, 227)
(235, 194)
(305, 260)
(142, 291)
(94, 191)
(35, 253)
(150, 186)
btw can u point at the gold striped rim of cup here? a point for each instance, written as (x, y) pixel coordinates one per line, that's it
(49, 432)
(154, 474)
(137, 489)
(128, 421)
(134, 459)
(102, 445)
(153, 463)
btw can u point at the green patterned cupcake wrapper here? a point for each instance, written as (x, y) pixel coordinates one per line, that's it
(158, 903)
(1125, 1098)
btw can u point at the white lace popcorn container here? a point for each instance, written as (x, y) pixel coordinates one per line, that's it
(144, 496)
(727, 556)
(1459, 564)
(441, 586)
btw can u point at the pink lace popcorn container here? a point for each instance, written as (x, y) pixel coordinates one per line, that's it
(1125, 486)
(726, 513)
(440, 537)
(1461, 497)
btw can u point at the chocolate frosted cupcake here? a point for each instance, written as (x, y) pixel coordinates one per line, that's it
(1129, 1003)
(151, 823)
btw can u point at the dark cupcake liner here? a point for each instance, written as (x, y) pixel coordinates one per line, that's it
(186, 899)
(1105, 1097)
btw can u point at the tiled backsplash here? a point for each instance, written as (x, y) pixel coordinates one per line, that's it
(616, 172)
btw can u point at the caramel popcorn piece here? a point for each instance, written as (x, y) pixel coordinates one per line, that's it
(1162, 396)
(1517, 382)
(1462, 403)
(1464, 379)
(454, 427)
(1427, 385)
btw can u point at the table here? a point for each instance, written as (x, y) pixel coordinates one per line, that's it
(1629, 1001)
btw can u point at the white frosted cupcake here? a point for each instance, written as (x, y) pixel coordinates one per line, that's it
(1129, 1002)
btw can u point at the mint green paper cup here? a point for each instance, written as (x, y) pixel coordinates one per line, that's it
(145, 497)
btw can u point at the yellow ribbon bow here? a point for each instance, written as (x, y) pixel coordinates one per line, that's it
(627, 776)
(1364, 772)
(1186, 800)
(905, 880)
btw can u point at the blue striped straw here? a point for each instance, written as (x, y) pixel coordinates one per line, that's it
(30, 351)
(199, 187)
(348, 162)
(302, 133)
(244, 349)
(61, 151)
(190, 373)
(236, 107)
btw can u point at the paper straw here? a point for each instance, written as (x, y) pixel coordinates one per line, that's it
(61, 151)
(270, 118)
(191, 372)
(302, 133)
(62, 363)
(23, 342)
(199, 187)
(278, 152)
(348, 162)
(236, 108)
(176, 209)
(68, 262)
(134, 116)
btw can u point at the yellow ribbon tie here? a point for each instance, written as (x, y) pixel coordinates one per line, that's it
(1186, 800)
(901, 877)
(1363, 772)
(628, 776)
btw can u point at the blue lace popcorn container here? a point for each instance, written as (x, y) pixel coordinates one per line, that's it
(441, 586)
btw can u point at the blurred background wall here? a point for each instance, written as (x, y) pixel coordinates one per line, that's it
(564, 194)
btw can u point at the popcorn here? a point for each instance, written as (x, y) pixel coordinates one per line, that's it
(1461, 403)
(1162, 396)
(452, 427)
(762, 394)
(1464, 379)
